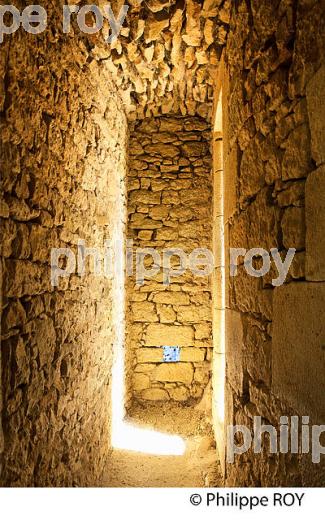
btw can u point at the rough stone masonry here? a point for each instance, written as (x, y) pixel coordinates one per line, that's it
(169, 206)
(66, 101)
(273, 88)
(63, 167)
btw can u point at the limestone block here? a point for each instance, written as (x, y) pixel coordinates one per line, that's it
(194, 314)
(196, 125)
(140, 382)
(172, 298)
(202, 375)
(165, 150)
(174, 372)
(258, 226)
(154, 28)
(136, 332)
(276, 88)
(136, 164)
(315, 225)
(296, 161)
(26, 278)
(22, 361)
(158, 212)
(145, 184)
(9, 232)
(203, 331)
(145, 235)
(163, 137)
(14, 315)
(159, 185)
(171, 125)
(181, 213)
(297, 268)
(156, 285)
(133, 184)
(251, 171)
(257, 352)
(41, 242)
(217, 280)
(44, 336)
(167, 233)
(149, 355)
(248, 296)
(298, 339)
(201, 298)
(144, 197)
(292, 195)
(19, 210)
(135, 147)
(174, 335)
(192, 354)
(155, 394)
(196, 197)
(180, 184)
(141, 221)
(145, 368)
(166, 314)
(316, 112)
(293, 228)
(144, 312)
(180, 393)
(218, 333)
(148, 126)
(170, 197)
(194, 149)
(190, 229)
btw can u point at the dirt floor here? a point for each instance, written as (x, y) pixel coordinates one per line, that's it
(197, 467)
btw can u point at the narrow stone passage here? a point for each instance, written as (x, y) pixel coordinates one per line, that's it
(199, 127)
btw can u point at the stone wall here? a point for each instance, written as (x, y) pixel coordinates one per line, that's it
(273, 110)
(63, 165)
(169, 206)
(63, 158)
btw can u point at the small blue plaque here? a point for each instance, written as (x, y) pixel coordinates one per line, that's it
(171, 354)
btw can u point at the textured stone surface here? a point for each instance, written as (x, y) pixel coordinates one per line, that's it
(166, 57)
(316, 113)
(155, 394)
(170, 209)
(315, 221)
(272, 83)
(63, 156)
(298, 348)
(160, 334)
(293, 228)
(174, 373)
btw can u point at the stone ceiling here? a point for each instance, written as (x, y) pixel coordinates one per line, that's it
(166, 55)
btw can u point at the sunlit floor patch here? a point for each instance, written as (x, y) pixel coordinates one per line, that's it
(142, 440)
